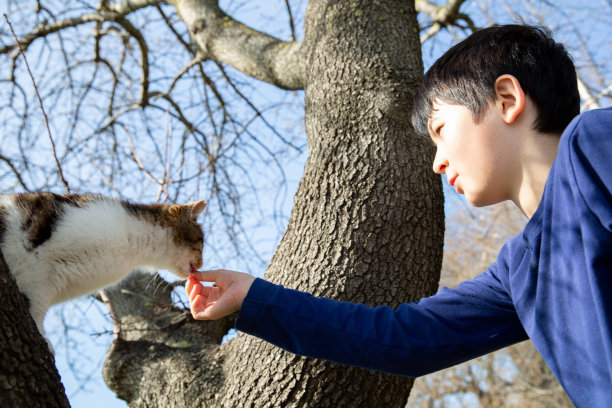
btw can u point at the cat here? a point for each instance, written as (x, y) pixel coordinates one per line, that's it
(59, 247)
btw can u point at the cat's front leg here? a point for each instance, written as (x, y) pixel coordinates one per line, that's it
(38, 310)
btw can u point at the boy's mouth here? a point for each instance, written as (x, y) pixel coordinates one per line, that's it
(452, 180)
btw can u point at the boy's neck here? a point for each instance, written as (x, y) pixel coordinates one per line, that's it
(538, 154)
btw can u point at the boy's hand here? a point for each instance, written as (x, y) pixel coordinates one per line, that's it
(214, 302)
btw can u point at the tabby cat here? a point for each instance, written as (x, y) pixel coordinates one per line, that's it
(62, 246)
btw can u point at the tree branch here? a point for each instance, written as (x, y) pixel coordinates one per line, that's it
(15, 171)
(442, 16)
(144, 50)
(252, 52)
(114, 12)
(162, 345)
(59, 166)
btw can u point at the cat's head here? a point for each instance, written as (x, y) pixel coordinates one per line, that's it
(182, 223)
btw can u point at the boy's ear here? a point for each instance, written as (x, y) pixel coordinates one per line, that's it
(509, 97)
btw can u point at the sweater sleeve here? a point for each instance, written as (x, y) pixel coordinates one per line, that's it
(450, 327)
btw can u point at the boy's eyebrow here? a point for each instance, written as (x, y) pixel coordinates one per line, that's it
(430, 127)
(430, 120)
(431, 133)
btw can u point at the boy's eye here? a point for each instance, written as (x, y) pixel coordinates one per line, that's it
(438, 129)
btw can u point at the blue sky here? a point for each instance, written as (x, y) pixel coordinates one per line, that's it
(82, 352)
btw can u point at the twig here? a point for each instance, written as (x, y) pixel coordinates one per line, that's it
(291, 25)
(15, 171)
(59, 167)
(117, 331)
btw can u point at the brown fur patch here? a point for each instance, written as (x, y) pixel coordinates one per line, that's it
(181, 219)
(41, 211)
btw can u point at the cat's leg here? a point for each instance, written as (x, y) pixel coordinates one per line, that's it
(35, 290)
(38, 310)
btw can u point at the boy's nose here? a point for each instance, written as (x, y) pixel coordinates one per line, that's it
(440, 164)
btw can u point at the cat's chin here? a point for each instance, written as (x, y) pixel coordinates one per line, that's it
(184, 272)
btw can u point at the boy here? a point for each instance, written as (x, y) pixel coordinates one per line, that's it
(495, 106)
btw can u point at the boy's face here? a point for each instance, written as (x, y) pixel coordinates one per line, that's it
(478, 158)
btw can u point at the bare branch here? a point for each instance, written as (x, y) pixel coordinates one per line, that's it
(171, 28)
(444, 16)
(144, 50)
(590, 101)
(59, 167)
(252, 52)
(114, 12)
(102, 296)
(252, 106)
(128, 6)
(15, 171)
(290, 15)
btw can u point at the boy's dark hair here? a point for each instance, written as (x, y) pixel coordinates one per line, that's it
(466, 75)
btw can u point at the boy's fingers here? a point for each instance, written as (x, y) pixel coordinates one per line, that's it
(197, 291)
(197, 306)
(202, 311)
(194, 289)
(207, 291)
(206, 276)
(189, 284)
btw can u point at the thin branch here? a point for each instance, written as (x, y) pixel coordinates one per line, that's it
(590, 102)
(139, 162)
(171, 28)
(103, 296)
(59, 167)
(291, 25)
(259, 114)
(114, 12)
(442, 16)
(17, 174)
(144, 50)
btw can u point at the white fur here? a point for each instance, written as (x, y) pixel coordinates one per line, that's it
(90, 248)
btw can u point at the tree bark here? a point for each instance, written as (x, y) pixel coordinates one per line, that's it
(161, 357)
(28, 376)
(367, 226)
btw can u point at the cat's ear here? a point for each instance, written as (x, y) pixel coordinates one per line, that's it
(196, 208)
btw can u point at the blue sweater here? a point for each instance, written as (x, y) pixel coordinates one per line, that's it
(551, 283)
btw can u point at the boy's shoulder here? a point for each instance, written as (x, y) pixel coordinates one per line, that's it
(590, 134)
(596, 120)
(585, 160)
(597, 113)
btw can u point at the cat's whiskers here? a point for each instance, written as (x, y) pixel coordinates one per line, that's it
(161, 282)
(150, 283)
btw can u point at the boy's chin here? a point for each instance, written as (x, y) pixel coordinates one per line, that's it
(476, 200)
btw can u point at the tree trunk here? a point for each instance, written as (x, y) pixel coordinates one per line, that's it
(28, 377)
(367, 226)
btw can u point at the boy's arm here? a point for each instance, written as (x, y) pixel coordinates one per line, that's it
(416, 338)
